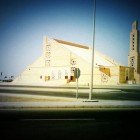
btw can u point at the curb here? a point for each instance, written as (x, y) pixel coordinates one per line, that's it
(100, 104)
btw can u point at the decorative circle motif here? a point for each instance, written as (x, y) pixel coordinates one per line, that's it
(132, 61)
(104, 78)
(73, 62)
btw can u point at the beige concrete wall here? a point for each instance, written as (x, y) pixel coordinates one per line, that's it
(60, 66)
(61, 62)
(101, 78)
(113, 78)
(33, 72)
(60, 57)
(84, 70)
(137, 78)
(122, 74)
(126, 74)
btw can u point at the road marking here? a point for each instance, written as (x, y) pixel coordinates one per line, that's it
(72, 119)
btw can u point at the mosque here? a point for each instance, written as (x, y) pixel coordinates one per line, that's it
(59, 59)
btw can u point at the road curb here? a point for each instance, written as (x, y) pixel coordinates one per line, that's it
(100, 104)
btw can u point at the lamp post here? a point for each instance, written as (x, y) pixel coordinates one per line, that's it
(92, 61)
(1, 76)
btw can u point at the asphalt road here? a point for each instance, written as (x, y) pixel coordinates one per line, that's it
(99, 93)
(51, 124)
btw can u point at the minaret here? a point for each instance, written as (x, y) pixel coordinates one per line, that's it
(134, 55)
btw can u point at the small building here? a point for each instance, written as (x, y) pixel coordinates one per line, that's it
(59, 59)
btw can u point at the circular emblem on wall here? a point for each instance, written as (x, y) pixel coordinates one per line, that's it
(104, 78)
(73, 62)
(132, 61)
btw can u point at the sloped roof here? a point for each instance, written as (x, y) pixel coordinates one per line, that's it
(85, 53)
(71, 44)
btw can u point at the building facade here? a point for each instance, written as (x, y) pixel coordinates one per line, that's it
(60, 58)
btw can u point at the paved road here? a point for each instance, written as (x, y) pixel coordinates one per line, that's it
(51, 124)
(91, 123)
(103, 93)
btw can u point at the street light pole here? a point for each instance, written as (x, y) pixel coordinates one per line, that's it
(1, 76)
(92, 62)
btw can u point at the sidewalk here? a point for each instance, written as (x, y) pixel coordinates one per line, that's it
(78, 104)
(37, 101)
(75, 104)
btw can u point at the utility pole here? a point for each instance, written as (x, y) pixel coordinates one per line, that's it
(92, 61)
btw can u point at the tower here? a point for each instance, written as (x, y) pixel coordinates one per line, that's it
(134, 55)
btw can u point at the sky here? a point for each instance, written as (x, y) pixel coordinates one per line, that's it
(24, 23)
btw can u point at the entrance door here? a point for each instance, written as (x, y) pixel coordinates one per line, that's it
(72, 79)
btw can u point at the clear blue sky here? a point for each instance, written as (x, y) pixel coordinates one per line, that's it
(23, 23)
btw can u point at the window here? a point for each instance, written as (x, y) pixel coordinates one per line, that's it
(133, 47)
(48, 48)
(66, 77)
(72, 79)
(47, 78)
(72, 69)
(47, 63)
(132, 61)
(53, 75)
(66, 72)
(48, 54)
(59, 74)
